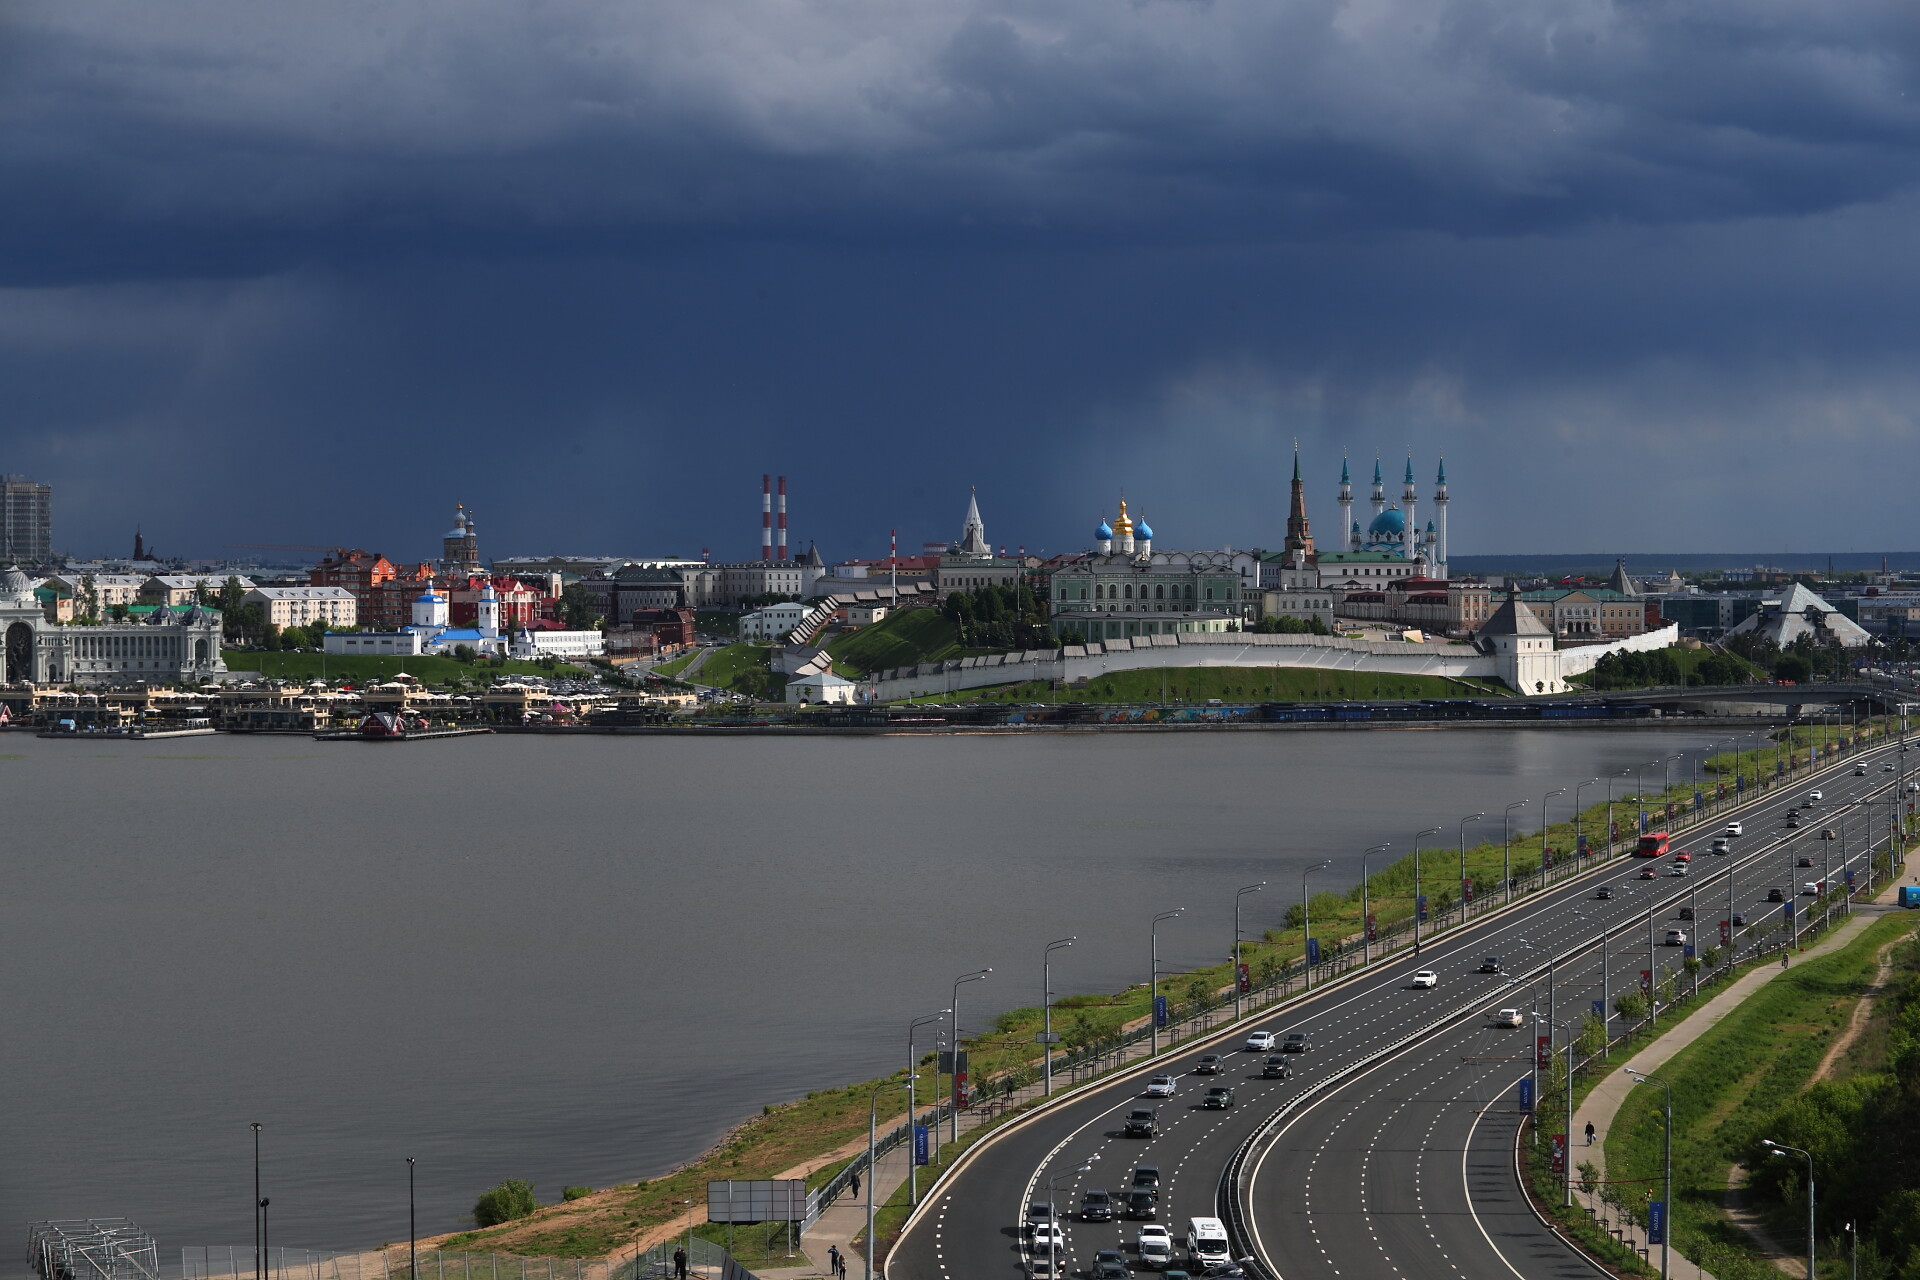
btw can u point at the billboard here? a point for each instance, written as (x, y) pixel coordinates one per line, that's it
(766, 1200)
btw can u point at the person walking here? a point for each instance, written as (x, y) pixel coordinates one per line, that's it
(856, 1186)
(1589, 1133)
(833, 1259)
(841, 1263)
(680, 1264)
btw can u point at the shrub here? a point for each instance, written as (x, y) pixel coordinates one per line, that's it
(576, 1193)
(512, 1199)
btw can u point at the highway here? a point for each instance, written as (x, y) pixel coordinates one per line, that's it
(1405, 1165)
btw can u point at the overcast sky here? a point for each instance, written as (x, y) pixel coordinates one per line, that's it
(1644, 272)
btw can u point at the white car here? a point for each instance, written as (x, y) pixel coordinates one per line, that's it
(1676, 937)
(1047, 1237)
(1734, 829)
(1160, 1087)
(1426, 978)
(1261, 1041)
(1509, 1018)
(1155, 1247)
(1814, 797)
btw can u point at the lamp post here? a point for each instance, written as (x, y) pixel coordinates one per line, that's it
(413, 1235)
(1782, 1149)
(1306, 926)
(1666, 1227)
(873, 1125)
(1506, 846)
(953, 1042)
(1046, 1005)
(1430, 831)
(1566, 1142)
(1153, 1009)
(1653, 984)
(1580, 814)
(1053, 1220)
(1472, 817)
(1610, 823)
(1560, 791)
(1237, 895)
(1366, 906)
(913, 1100)
(259, 1258)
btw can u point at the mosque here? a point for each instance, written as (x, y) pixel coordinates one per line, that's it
(1393, 545)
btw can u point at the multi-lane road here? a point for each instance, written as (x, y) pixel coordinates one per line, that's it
(1389, 1151)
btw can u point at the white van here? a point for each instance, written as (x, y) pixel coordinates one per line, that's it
(1207, 1241)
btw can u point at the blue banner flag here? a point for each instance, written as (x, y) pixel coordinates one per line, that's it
(1656, 1222)
(1526, 1093)
(1786, 911)
(920, 1144)
(1421, 905)
(1687, 951)
(1313, 951)
(1600, 1009)
(1159, 1011)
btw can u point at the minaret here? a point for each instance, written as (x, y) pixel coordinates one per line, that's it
(1346, 506)
(1299, 534)
(1379, 490)
(487, 613)
(1440, 502)
(1410, 497)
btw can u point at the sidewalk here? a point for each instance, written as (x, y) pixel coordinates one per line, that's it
(1603, 1103)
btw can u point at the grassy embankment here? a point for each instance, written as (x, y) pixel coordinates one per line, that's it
(1687, 660)
(786, 1135)
(717, 622)
(675, 666)
(900, 639)
(1728, 1087)
(1233, 684)
(743, 668)
(428, 668)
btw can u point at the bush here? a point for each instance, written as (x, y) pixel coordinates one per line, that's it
(576, 1193)
(511, 1199)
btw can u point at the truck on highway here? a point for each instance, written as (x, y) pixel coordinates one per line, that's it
(1910, 895)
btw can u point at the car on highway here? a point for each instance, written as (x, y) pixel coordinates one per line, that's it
(1604, 893)
(1296, 1042)
(1218, 1098)
(1859, 771)
(1276, 1068)
(1677, 869)
(1720, 845)
(1739, 920)
(1676, 938)
(1888, 767)
(1426, 978)
(1793, 820)
(1096, 1206)
(1803, 861)
(1109, 1264)
(1161, 1086)
(1509, 1018)
(1683, 856)
(1686, 913)
(1046, 1237)
(1155, 1248)
(1039, 1213)
(1734, 829)
(1812, 888)
(1209, 1065)
(1142, 1122)
(1815, 797)
(1143, 1205)
(1826, 833)
(1260, 1041)
(1146, 1178)
(1047, 1265)
(1489, 964)
(1649, 874)
(1776, 895)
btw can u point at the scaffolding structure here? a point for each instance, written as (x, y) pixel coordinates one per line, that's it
(92, 1249)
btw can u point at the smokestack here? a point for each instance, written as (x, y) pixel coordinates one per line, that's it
(782, 551)
(766, 517)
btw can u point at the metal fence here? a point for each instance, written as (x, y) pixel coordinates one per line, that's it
(705, 1260)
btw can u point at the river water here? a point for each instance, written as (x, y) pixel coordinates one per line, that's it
(580, 959)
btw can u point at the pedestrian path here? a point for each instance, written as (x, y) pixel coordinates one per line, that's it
(1606, 1098)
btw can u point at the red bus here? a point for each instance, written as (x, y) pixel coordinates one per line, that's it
(1653, 845)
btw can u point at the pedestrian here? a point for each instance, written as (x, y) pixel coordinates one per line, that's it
(842, 1264)
(680, 1264)
(1783, 959)
(856, 1186)
(833, 1259)
(1589, 1133)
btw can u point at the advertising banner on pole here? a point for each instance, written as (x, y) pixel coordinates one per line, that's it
(921, 1154)
(1699, 801)
(1543, 1051)
(1656, 1222)
(1373, 928)
(1246, 980)
(1466, 889)
(1581, 845)
(1420, 905)
(1313, 951)
(1615, 831)
(1726, 932)
(1786, 911)
(1159, 1011)
(1600, 1010)
(1687, 951)
(1559, 1155)
(1646, 981)
(1526, 1093)
(1546, 859)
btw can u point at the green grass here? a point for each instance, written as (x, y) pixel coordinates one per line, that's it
(1231, 684)
(743, 668)
(430, 668)
(1688, 660)
(677, 665)
(898, 640)
(1729, 1083)
(717, 622)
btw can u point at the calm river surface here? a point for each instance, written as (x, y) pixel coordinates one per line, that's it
(579, 960)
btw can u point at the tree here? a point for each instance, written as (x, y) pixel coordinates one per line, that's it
(577, 611)
(293, 638)
(89, 596)
(1630, 1004)
(463, 653)
(1794, 667)
(511, 1199)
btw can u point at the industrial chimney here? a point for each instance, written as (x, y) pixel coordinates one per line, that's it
(766, 517)
(781, 551)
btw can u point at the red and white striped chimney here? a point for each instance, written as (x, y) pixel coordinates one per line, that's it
(781, 553)
(766, 517)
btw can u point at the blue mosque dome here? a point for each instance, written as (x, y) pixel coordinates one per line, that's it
(1391, 523)
(1104, 533)
(1143, 530)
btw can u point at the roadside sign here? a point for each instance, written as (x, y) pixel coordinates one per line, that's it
(1046, 1037)
(1313, 951)
(1687, 951)
(1159, 1011)
(1373, 930)
(1559, 1155)
(1786, 911)
(1526, 1093)
(1600, 1009)
(1466, 890)
(1421, 905)
(1245, 981)
(1646, 980)
(1656, 1222)
(1543, 1051)
(920, 1151)
(1726, 932)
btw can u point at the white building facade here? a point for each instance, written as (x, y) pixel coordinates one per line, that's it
(305, 606)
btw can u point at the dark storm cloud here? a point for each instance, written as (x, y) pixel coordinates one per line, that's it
(593, 267)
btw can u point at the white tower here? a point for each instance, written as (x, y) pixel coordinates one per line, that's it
(430, 609)
(1440, 502)
(1103, 538)
(1346, 506)
(1410, 499)
(1143, 539)
(489, 612)
(1379, 490)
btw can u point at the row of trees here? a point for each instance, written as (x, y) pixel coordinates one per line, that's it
(1002, 617)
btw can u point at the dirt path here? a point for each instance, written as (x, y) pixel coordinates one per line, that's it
(1741, 1215)
(1862, 1010)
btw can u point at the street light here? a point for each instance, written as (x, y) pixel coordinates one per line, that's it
(1046, 1004)
(1053, 1220)
(1506, 845)
(1472, 817)
(259, 1258)
(1666, 1209)
(953, 1043)
(1580, 814)
(1430, 831)
(1366, 906)
(873, 1123)
(1543, 829)
(1610, 822)
(1153, 1008)
(1237, 895)
(1306, 926)
(413, 1236)
(1782, 1149)
(913, 1100)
